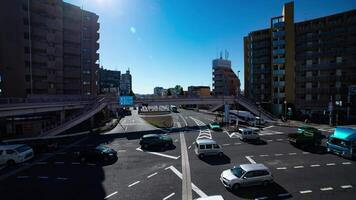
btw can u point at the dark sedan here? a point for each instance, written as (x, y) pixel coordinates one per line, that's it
(156, 140)
(99, 153)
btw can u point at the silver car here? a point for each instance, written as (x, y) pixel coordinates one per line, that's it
(246, 175)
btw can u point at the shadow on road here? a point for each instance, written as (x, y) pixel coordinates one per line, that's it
(216, 160)
(272, 191)
(257, 142)
(160, 148)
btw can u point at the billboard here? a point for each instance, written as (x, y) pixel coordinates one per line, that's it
(126, 100)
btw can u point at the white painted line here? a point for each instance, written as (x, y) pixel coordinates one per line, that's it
(22, 177)
(261, 198)
(75, 163)
(110, 195)
(59, 163)
(91, 164)
(194, 187)
(314, 165)
(346, 163)
(159, 154)
(154, 174)
(62, 178)
(189, 147)
(278, 154)
(269, 127)
(250, 159)
(269, 140)
(42, 177)
(126, 128)
(279, 139)
(326, 189)
(284, 195)
(305, 191)
(237, 143)
(298, 167)
(346, 186)
(121, 151)
(305, 152)
(132, 184)
(292, 154)
(193, 142)
(169, 196)
(281, 168)
(330, 164)
(264, 155)
(226, 144)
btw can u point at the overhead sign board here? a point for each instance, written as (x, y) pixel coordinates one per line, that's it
(126, 100)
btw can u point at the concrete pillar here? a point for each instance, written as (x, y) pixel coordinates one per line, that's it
(92, 122)
(62, 116)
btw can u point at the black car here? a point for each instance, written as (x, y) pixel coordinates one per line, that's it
(156, 140)
(99, 153)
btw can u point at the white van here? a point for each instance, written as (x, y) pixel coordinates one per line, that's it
(247, 134)
(17, 153)
(206, 147)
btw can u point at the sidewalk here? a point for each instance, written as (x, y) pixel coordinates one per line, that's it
(293, 123)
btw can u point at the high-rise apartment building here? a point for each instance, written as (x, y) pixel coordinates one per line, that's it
(225, 81)
(126, 83)
(303, 65)
(47, 47)
(109, 81)
(199, 91)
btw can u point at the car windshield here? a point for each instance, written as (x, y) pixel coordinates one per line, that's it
(103, 148)
(237, 171)
(22, 148)
(215, 124)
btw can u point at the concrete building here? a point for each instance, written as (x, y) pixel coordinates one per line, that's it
(109, 81)
(302, 65)
(199, 91)
(225, 81)
(47, 47)
(159, 91)
(126, 84)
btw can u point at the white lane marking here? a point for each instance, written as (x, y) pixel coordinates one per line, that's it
(91, 164)
(132, 184)
(264, 155)
(279, 139)
(226, 144)
(326, 189)
(169, 196)
(281, 168)
(305, 152)
(22, 177)
(149, 176)
(278, 154)
(189, 147)
(298, 167)
(41, 163)
(346, 186)
(110, 195)
(176, 140)
(284, 195)
(305, 191)
(330, 164)
(75, 163)
(42, 177)
(194, 187)
(230, 135)
(126, 128)
(61, 178)
(59, 163)
(121, 151)
(346, 163)
(250, 159)
(292, 154)
(158, 154)
(269, 140)
(268, 127)
(193, 142)
(314, 165)
(261, 198)
(237, 143)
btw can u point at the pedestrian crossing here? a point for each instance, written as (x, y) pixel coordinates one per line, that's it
(204, 133)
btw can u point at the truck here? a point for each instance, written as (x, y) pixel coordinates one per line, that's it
(306, 136)
(342, 142)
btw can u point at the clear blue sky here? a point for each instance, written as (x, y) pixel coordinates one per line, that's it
(170, 42)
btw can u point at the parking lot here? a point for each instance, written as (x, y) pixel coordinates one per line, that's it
(158, 174)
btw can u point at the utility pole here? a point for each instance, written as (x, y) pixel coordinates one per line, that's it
(330, 111)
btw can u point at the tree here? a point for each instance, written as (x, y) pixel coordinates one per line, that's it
(131, 93)
(169, 93)
(177, 88)
(181, 92)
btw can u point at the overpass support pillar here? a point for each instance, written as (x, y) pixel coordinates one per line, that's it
(92, 122)
(63, 115)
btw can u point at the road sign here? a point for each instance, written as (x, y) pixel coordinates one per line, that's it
(126, 100)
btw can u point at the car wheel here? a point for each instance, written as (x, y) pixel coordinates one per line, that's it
(236, 186)
(220, 154)
(201, 156)
(265, 183)
(11, 162)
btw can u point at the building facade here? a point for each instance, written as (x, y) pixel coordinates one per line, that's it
(109, 81)
(126, 84)
(159, 91)
(199, 91)
(47, 47)
(305, 65)
(225, 81)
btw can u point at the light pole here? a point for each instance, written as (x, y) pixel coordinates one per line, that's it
(237, 99)
(285, 110)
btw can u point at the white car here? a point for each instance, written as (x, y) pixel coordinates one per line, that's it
(247, 134)
(17, 153)
(246, 175)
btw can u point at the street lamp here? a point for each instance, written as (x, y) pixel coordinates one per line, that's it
(285, 110)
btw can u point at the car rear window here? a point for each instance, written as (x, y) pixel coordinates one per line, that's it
(23, 148)
(209, 146)
(202, 146)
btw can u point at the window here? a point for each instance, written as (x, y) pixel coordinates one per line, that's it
(202, 146)
(86, 83)
(249, 174)
(10, 152)
(209, 146)
(339, 59)
(216, 146)
(309, 62)
(260, 173)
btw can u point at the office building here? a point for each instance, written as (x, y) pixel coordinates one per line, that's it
(225, 81)
(199, 91)
(47, 48)
(303, 65)
(159, 91)
(126, 84)
(109, 81)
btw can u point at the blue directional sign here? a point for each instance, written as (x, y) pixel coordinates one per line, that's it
(126, 100)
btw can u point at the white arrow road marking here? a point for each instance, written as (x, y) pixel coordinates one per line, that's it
(250, 159)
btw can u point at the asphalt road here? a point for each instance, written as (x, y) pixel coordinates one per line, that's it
(158, 175)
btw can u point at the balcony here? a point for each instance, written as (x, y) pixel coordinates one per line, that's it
(279, 84)
(278, 24)
(279, 95)
(279, 60)
(279, 51)
(279, 72)
(278, 33)
(278, 42)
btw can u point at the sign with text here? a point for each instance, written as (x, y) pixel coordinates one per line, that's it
(126, 100)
